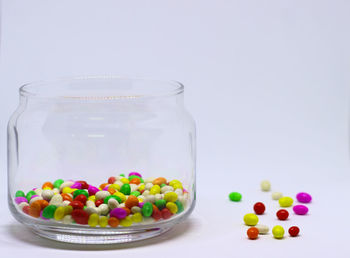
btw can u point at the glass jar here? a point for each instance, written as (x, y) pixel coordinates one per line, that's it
(101, 159)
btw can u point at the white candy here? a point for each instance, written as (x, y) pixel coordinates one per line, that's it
(149, 180)
(179, 191)
(67, 219)
(263, 229)
(118, 182)
(65, 203)
(122, 205)
(135, 209)
(35, 199)
(276, 196)
(141, 197)
(66, 184)
(102, 194)
(145, 193)
(150, 198)
(148, 186)
(92, 210)
(56, 191)
(22, 204)
(56, 200)
(158, 197)
(265, 186)
(90, 203)
(133, 187)
(38, 191)
(47, 194)
(112, 204)
(167, 188)
(103, 209)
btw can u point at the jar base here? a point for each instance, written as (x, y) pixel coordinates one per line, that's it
(123, 238)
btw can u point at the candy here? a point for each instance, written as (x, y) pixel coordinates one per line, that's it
(119, 213)
(92, 190)
(59, 213)
(20, 194)
(155, 190)
(80, 191)
(180, 207)
(263, 229)
(304, 197)
(81, 198)
(250, 219)
(300, 209)
(135, 174)
(126, 222)
(77, 205)
(235, 196)
(137, 217)
(47, 185)
(19, 200)
(259, 208)
(58, 183)
(282, 214)
(131, 202)
(170, 197)
(147, 209)
(285, 201)
(113, 222)
(293, 231)
(49, 211)
(34, 210)
(265, 185)
(29, 195)
(166, 214)
(253, 233)
(80, 216)
(117, 198)
(278, 232)
(276, 196)
(159, 181)
(93, 220)
(103, 221)
(125, 189)
(135, 193)
(172, 207)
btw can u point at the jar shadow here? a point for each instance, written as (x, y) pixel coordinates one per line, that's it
(23, 234)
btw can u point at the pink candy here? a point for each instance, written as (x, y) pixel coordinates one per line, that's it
(76, 185)
(19, 200)
(135, 174)
(304, 197)
(300, 209)
(93, 190)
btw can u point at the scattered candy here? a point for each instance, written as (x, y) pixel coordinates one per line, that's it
(285, 201)
(121, 201)
(293, 231)
(250, 219)
(235, 196)
(259, 208)
(276, 196)
(304, 197)
(300, 209)
(263, 229)
(282, 214)
(253, 233)
(265, 185)
(278, 232)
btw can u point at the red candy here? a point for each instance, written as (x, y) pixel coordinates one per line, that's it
(77, 205)
(166, 214)
(111, 180)
(81, 198)
(293, 231)
(25, 209)
(282, 214)
(99, 202)
(259, 208)
(80, 216)
(84, 185)
(253, 233)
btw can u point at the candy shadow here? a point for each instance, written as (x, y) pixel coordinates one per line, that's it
(23, 234)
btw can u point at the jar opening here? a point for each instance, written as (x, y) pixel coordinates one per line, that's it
(101, 88)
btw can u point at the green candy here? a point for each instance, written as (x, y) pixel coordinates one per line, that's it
(147, 209)
(160, 204)
(180, 207)
(80, 191)
(235, 196)
(123, 175)
(30, 194)
(125, 189)
(49, 211)
(20, 194)
(135, 193)
(162, 185)
(58, 183)
(112, 197)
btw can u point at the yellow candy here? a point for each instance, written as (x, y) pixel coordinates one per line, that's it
(68, 210)
(172, 182)
(155, 190)
(93, 220)
(140, 199)
(285, 201)
(127, 222)
(124, 180)
(115, 187)
(250, 219)
(103, 221)
(120, 195)
(92, 198)
(137, 217)
(177, 186)
(172, 207)
(170, 197)
(59, 213)
(68, 190)
(141, 187)
(278, 232)
(47, 188)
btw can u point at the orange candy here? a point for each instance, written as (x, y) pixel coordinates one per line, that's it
(47, 185)
(42, 203)
(103, 185)
(113, 222)
(135, 181)
(131, 201)
(159, 181)
(66, 197)
(253, 233)
(128, 211)
(34, 210)
(111, 190)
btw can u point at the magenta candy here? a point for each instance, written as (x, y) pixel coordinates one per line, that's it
(33, 196)
(135, 174)
(106, 188)
(76, 185)
(300, 209)
(304, 197)
(93, 190)
(19, 200)
(119, 213)
(141, 204)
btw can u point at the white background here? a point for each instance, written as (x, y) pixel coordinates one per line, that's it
(267, 82)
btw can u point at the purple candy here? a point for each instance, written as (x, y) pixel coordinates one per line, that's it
(304, 197)
(300, 209)
(41, 216)
(135, 174)
(19, 200)
(119, 213)
(93, 190)
(141, 204)
(76, 185)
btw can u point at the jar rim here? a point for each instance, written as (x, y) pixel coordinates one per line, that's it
(101, 88)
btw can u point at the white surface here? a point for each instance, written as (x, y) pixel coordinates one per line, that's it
(266, 81)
